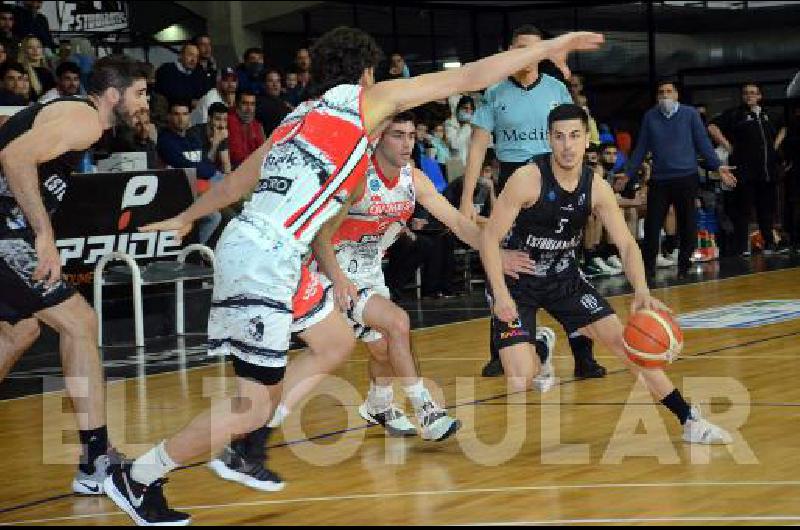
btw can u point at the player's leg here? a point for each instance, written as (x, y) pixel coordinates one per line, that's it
(376, 312)
(14, 341)
(517, 349)
(380, 407)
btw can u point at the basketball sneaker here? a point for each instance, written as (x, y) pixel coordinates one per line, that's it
(700, 431)
(436, 424)
(247, 470)
(546, 379)
(393, 420)
(92, 484)
(146, 505)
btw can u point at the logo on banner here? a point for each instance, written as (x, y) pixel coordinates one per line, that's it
(751, 314)
(140, 191)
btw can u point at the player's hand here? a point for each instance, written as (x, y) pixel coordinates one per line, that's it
(345, 293)
(727, 176)
(516, 262)
(468, 210)
(558, 49)
(505, 308)
(48, 269)
(643, 300)
(177, 224)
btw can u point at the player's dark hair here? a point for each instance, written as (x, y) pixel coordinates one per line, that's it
(339, 57)
(115, 71)
(566, 112)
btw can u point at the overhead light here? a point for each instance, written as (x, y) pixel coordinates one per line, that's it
(452, 64)
(173, 33)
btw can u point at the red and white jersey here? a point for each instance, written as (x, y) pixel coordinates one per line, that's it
(374, 222)
(319, 155)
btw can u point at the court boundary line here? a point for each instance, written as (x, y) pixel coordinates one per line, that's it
(434, 493)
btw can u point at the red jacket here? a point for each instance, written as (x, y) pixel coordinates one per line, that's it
(243, 139)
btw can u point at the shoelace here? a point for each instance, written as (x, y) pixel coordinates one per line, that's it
(430, 412)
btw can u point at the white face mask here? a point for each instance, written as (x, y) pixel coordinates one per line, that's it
(668, 106)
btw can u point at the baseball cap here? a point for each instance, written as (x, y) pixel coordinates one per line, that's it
(227, 72)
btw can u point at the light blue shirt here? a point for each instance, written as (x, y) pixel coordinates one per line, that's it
(517, 116)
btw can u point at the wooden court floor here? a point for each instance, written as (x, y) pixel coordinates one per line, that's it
(509, 464)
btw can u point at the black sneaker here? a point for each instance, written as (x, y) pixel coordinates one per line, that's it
(146, 505)
(246, 470)
(589, 370)
(493, 368)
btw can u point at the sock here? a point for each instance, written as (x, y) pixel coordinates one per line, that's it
(678, 406)
(417, 393)
(581, 348)
(670, 244)
(95, 444)
(380, 398)
(153, 465)
(280, 414)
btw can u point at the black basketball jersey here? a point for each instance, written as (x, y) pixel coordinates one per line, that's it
(551, 230)
(53, 175)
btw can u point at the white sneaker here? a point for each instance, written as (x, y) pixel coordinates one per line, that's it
(393, 420)
(546, 380)
(700, 431)
(605, 267)
(436, 424)
(615, 262)
(663, 262)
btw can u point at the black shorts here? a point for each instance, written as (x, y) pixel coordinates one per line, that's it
(20, 296)
(264, 375)
(572, 301)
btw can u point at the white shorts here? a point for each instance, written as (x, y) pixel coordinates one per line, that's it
(258, 270)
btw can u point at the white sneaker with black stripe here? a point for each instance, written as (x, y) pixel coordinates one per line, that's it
(546, 380)
(393, 420)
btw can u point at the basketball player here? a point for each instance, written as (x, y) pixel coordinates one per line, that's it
(545, 206)
(353, 263)
(40, 147)
(305, 176)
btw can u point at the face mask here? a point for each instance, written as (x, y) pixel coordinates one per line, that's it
(464, 116)
(667, 106)
(254, 69)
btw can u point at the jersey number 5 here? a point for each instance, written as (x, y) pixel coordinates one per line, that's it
(562, 223)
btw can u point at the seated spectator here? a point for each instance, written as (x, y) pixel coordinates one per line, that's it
(12, 75)
(438, 139)
(245, 133)
(397, 67)
(140, 137)
(271, 108)
(68, 82)
(225, 93)
(29, 21)
(294, 93)
(429, 166)
(251, 72)
(32, 58)
(159, 106)
(83, 54)
(213, 136)
(7, 38)
(207, 64)
(485, 196)
(3, 54)
(183, 79)
(179, 150)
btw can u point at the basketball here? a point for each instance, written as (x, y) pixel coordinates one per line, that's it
(653, 339)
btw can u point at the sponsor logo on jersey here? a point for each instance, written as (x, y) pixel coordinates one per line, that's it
(275, 184)
(552, 196)
(399, 208)
(374, 185)
(547, 243)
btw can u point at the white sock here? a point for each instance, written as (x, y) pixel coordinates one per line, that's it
(417, 393)
(380, 398)
(280, 414)
(153, 465)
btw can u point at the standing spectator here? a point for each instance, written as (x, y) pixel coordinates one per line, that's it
(213, 137)
(515, 111)
(271, 108)
(752, 138)
(675, 135)
(32, 58)
(245, 133)
(28, 21)
(7, 37)
(183, 79)
(294, 93)
(68, 82)
(251, 72)
(302, 63)
(458, 128)
(12, 75)
(207, 64)
(225, 93)
(180, 150)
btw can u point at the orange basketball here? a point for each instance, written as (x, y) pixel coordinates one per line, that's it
(652, 339)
